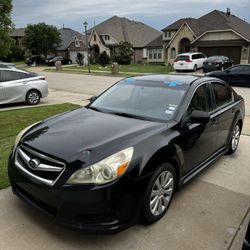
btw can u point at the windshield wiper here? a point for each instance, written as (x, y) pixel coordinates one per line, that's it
(128, 115)
(96, 109)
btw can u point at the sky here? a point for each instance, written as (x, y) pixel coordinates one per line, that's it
(156, 13)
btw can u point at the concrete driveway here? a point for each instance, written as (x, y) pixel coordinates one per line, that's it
(211, 212)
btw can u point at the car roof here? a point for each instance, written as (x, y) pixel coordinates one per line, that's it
(16, 70)
(184, 79)
(189, 53)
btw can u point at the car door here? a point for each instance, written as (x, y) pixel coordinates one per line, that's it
(14, 85)
(223, 112)
(197, 140)
(234, 75)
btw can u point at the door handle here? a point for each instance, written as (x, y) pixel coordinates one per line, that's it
(214, 122)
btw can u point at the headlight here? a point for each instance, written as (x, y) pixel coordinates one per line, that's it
(20, 135)
(104, 171)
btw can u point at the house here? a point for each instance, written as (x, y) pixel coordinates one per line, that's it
(73, 42)
(107, 35)
(216, 33)
(17, 35)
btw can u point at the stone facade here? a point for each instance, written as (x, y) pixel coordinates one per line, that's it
(184, 33)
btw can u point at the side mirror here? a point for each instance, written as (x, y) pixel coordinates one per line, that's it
(198, 116)
(93, 98)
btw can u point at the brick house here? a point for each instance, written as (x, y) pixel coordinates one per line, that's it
(216, 33)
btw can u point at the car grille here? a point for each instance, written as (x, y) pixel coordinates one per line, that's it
(38, 166)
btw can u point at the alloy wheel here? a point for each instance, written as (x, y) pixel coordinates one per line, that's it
(33, 98)
(235, 137)
(161, 193)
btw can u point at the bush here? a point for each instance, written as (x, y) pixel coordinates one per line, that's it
(15, 54)
(104, 59)
(124, 53)
(79, 59)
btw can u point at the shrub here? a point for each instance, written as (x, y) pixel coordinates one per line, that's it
(104, 59)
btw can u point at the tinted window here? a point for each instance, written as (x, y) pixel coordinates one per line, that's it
(222, 94)
(182, 58)
(10, 75)
(195, 56)
(201, 100)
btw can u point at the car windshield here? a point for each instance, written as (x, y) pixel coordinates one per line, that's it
(142, 99)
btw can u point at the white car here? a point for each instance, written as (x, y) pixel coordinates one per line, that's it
(21, 86)
(189, 61)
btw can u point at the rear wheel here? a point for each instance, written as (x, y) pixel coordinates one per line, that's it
(235, 138)
(159, 193)
(33, 97)
(195, 68)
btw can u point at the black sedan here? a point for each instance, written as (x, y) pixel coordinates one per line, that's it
(238, 75)
(122, 157)
(52, 60)
(35, 60)
(216, 63)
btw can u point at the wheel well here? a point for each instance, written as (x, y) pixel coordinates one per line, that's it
(35, 90)
(163, 155)
(241, 124)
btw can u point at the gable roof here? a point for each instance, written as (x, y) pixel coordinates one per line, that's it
(68, 35)
(214, 20)
(157, 42)
(123, 29)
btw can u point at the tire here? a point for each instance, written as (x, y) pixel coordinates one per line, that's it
(33, 97)
(69, 62)
(195, 68)
(235, 137)
(156, 194)
(222, 68)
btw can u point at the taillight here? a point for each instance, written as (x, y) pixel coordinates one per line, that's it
(176, 60)
(188, 60)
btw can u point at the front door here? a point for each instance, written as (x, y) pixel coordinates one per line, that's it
(198, 140)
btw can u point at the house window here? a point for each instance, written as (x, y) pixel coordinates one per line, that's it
(77, 43)
(168, 34)
(106, 37)
(155, 54)
(94, 37)
(173, 53)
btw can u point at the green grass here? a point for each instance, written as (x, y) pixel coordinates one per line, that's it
(124, 70)
(12, 122)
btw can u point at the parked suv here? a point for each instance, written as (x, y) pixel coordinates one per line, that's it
(189, 61)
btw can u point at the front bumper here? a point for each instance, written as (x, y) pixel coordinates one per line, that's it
(106, 209)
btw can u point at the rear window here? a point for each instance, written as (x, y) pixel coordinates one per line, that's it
(182, 58)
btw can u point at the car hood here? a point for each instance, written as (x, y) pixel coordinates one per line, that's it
(69, 136)
(217, 73)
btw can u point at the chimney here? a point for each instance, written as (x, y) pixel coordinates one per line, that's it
(228, 12)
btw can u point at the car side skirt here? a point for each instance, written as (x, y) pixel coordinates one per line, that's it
(186, 178)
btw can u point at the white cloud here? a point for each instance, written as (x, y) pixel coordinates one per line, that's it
(74, 11)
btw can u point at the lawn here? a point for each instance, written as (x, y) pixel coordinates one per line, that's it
(12, 122)
(124, 70)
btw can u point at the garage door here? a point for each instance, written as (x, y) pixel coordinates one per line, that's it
(233, 52)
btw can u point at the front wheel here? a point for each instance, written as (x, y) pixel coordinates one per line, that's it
(33, 97)
(235, 138)
(159, 193)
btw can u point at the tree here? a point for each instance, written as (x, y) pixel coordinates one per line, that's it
(124, 53)
(104, 59)
(41, 38)
(5, 27)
